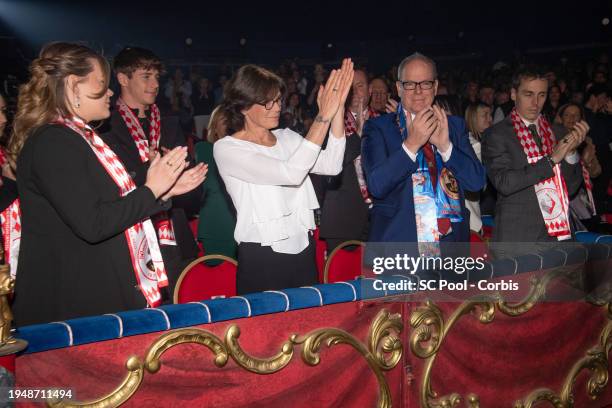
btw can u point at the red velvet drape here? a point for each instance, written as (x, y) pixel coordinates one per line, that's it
(501, 362)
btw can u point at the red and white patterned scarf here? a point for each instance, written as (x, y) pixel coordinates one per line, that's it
(10, 221)
(144, 143)
(141, 240)
(551, 193)
(350, 127)
(350, 122)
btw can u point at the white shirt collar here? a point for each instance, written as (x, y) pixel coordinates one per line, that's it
(412, 115)
(365, 113)
(527, 122)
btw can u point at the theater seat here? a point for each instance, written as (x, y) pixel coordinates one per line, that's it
(344, 263)
(479, 247)
(200, 280)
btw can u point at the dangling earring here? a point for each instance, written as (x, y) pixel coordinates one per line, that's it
(77, 102)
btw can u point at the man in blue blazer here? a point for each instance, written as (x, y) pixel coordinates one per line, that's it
(417, 163)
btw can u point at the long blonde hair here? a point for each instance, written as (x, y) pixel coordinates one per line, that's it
(471, 117)
(43, 98)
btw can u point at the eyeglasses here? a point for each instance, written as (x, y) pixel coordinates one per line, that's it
(411, 85)
(270, 104)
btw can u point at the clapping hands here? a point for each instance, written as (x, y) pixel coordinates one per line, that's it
(333, 94)
(570, 142)
(428, 125)
(166, 176)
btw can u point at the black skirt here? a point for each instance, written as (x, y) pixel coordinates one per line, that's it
(260, 268)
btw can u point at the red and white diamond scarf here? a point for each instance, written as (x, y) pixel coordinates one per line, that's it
(142, 242)
(350, 127)
(10, 221)
(551, 193)
(143, 143)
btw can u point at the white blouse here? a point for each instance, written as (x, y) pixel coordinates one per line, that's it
(270, 187)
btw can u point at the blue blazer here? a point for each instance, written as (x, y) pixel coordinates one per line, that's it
(388, 170)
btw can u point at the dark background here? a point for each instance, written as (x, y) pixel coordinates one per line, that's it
(376, 33)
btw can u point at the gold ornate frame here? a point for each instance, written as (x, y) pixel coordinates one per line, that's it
(382, 351)
(430, 329)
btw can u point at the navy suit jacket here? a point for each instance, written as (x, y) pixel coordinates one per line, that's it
(389, 169)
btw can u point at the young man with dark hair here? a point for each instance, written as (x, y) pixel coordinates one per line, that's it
(530, 163)
(136, 133)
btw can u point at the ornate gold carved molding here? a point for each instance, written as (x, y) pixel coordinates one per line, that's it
(257, 365)
(119, 395)
(430, 330)
(382, 351)
(596, 361)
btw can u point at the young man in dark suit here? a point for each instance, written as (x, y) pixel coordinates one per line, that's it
(417, 162)
(527, 159)
(136, 133)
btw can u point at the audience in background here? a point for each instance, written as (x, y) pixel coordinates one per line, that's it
(583, 204)
(478, 119)
(572, 93)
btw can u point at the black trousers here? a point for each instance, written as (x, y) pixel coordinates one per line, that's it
(174, 263)
(260, 268)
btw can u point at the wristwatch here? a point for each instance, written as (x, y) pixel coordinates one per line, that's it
(551, 161)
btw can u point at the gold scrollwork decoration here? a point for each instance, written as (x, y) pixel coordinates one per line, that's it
(428, 325)
(382, 342)
(595, 361)
(382, 352)
(536, 292)
(382, 339)
(430, 329)
(183, 336)
(121, 394)
(257, 365)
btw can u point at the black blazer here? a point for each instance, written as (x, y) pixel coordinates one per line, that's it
(8, 193)
(74, 259)
(117, 136)
(345, 213)
(517, 214)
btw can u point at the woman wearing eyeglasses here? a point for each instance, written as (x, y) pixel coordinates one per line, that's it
(265, 172)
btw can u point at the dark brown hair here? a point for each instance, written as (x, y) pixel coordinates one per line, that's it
(563, 108)
(528, 72)
(251, 84)
(43, 97)
(132, 58)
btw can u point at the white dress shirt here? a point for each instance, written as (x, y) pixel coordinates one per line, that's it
(270, 188)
